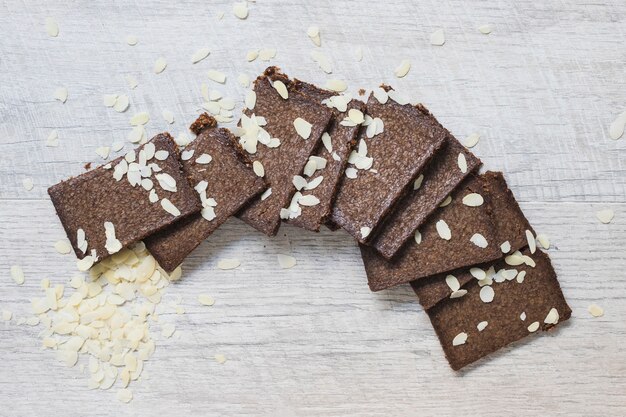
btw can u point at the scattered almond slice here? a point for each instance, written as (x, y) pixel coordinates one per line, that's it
(7, 315)
(308, 200)
(418, 182)
(438, 38)
(206, 300)
(137, 134)
(219, 358)
(336, 85)
(250, 100)
(446, 202)
(418, 237)
(52, 27)
(462, 162)
(266, 194)
(473, 200)
(121, 103)
(240, 9)
(543, 240)
(63, 246)
(459, 339)
(267, 54)
(61, 94)
(53, 139)
(616, 129)
(258, 169)
(281, 88)
(323, 61)
(286, 261)
(218, 77)
(313, 32)
(140, 119)
(505, 247)
(552, 317)
(169, 207)
(533, 327)
(160, 65)
(443, 230)
(403, 68)
(252, 55)
(227, 264)
(453, 283)
(17, 274)
(484, 29)
(131, 40)
(472, 140)
(27, 183)
(131, 82)
(605, 216)
(103, 151)
(595, 310)
(303, 128)
(168, 116)
(365, 231)
(532, 243)
(199, 55)
(479, 240)
(243, 80)
(486, 294)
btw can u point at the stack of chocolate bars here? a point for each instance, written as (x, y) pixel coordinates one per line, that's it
(385, 171)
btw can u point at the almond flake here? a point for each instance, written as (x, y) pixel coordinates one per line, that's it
(52, 27)
(267, 54)
(543, 240)
(206, 300)
(458, 293)
(303, 128)
(351, 173)
(418, 237)
(338, 86)
(479, 240)
(252, 55)
(481, 326)
(299, 182)
(472, 140)
(159, 65)
(552, 317)
(240, 9)
(199, 55)
(153, 197)
(314, 183)
(326, 140)
(438, 38)
(131, 40)
(403, 68)
(595, 310)
(308, 200)
(313, 32)
(358, 54)
(258, 169)
(605, 216)
(6, 315)
(418, 182)
(204, 159)
(167, 182)
(280, 87)
(266, 194)
(459, 339)
(121, 103)
(168, 116)
(323, 61)
(443, 229)
(522, 316)
(505, 247)
(520, 277)
(63, 246)
(219, 358)
(453, 282)
(187, 154)
(365, 231)
(484, 29)
(112, 245)
(462, 162)
(616, 129)
(140, 119)
(117, 146)
(169, 207)
(53, 139)
(446, 202)
(61, 94)
(28, 184)
(381, 95)
(218, 77)
(486, 294)
(161, 155)
(473, 200)
(109, 99)
(85, 263)
(515, 259)
(243, 80)
(227, 264)
(286, 261)
(478, 273)
(533, 327)
(17, 274)
(250, 100)
(131, 82)
(103, 151)
(398, 98)
(532, 244)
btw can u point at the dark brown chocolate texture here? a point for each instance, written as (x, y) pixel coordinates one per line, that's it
(230, 182)
(441, 177)
(400, 153)
(89, 200)
(283, 162)
(510, 316)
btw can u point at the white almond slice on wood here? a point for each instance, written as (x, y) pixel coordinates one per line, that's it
(308, 200)
(250, 100)
(398, 98)
(117, 146)
(472, 140)
(459, 339)
(381, 95)
(486, 294)
(219, 358)
(159, 65)
(286, 261)
(17, 274)
(446, 202)
(552, 317)
(616, 129)
(240, 9)
(204, 159)
(533, 327)
(605, 216)
(313, 32)
(438, 37)
(140, 119)
(109, 99)
(28, 184)
(86, 263)
(61, 94)
(303, 128)
(252, 55)
(418, 237)
(338, 86)
(199, 55)
(131, 40)
(443, 230)
(170, 207)
(243, 80)
(168, 116)
(131, 82)
(103, 151)
(485, 29)
(52, 27)
(217, 76)
(365, 231)
(595, 310)
(323, 61)
(266, 194)
(479, 240)
(206, 300)
(403, 68)
(532, 244)
(418, 182)
(453, 282)
(227, 264)
(53, 139)
(258, 169)
(267, 54)
(63, 246)
(462, 162)
(121, 103)
(281, 88)
(543, 240)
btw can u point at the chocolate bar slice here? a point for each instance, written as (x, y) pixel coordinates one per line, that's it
(494, 314)
(460, 234)
(385, 164)
(124, 201)
(511, 227)
(337, 143)
(280, 133)
(443, 174)
(222, 175)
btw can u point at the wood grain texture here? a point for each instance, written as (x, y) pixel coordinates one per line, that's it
(542, 90)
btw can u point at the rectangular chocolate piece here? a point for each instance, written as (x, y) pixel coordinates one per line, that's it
(337, 143)
(518, 308)
(511, 226)
(400, 153)
(221, 173)
(469, 220)
(271, 139)
(443, 174)
(139, 194)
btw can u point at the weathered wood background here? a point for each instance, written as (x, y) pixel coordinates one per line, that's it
(541, 90)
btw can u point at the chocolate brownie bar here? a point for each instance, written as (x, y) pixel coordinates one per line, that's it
(280, 133)
(443, 174)
(500, 310)
(337, 143)
(511, 227)
(385, 164)
(225, 184)
(124, 201)
(460, 234)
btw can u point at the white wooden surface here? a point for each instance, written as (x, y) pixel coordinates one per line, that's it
(541, 90)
